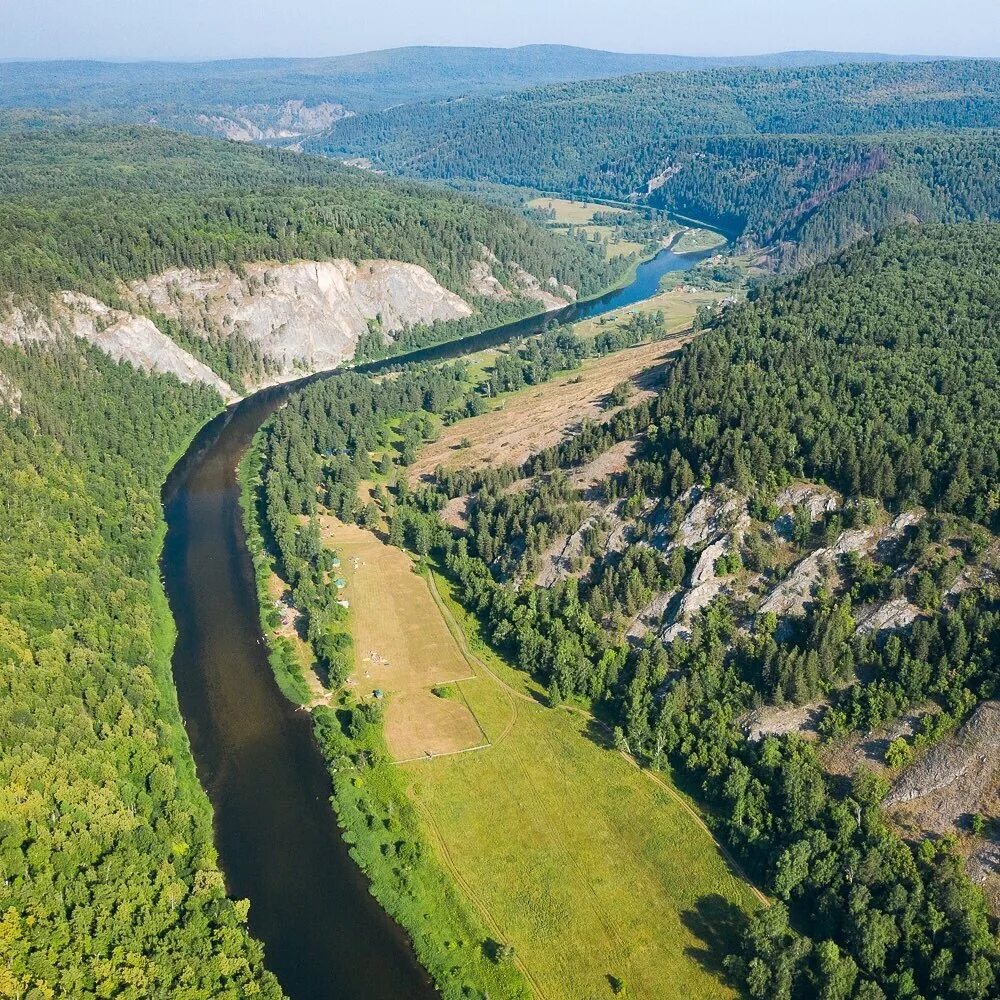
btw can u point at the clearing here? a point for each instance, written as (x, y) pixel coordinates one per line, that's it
(593, 870)
(694, 240)
(678, 305)
(537, 417)
(572, 213)
(402, 647)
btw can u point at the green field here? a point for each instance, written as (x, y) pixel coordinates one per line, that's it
(694, 240)
(595, 872)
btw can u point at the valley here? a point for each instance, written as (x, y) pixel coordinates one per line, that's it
(433, 563)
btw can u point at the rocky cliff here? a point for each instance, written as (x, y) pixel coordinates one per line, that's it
(306, 316)
(10, 396)
(122, 335)
(262, 122)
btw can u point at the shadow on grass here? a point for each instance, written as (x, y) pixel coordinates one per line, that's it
(598, 733)
(718, 924)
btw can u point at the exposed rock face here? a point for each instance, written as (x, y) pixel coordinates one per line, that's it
(290, 120)
(306, 316)
(954, 776)
(773, 721)
(895, 614)
(791, 596)
(122, 335)
(10, 395)
(482, 281)
(708, 518)
(817, 499)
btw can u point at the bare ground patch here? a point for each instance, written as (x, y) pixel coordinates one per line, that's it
(954, 781)
(290, 629)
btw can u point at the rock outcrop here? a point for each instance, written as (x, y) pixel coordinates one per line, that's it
(291, 120)
(306, 316)
(953, 776)
(483, 281)
(10, 396)
(122, 335)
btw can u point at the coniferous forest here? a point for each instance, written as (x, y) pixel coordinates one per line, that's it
(874, 374)
(795, 514)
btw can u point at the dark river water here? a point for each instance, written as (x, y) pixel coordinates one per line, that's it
(325, 936)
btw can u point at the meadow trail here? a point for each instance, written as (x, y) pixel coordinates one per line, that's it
(514, 696)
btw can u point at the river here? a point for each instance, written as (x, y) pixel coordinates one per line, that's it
(325, 936)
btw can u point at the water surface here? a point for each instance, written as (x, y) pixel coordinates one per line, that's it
(325, 936)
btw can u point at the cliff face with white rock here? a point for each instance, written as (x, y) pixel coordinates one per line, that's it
(122, 335)
(306, 316)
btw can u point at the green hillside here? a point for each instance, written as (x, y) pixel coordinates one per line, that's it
(83, 210)
(109, 882)
(874, 375)
(818, 156)
(186, 96)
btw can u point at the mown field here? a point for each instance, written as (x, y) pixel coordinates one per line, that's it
(402, 648)
(599, 876)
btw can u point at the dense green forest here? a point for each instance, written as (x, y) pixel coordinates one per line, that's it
(876, 374)
(818, 155)
(181, 95)
(552, 137)
(109, 882)
(87, 209)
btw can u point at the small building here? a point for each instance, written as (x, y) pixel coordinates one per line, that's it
(335, 563)
(378, 693)
(344, 604)
(340, 583)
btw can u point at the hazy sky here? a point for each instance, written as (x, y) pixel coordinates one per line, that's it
(198, 29)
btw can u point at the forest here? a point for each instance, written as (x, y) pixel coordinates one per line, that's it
(109, 880)
(86, 209)
(185, 96)
(815, 156)
(874, 374)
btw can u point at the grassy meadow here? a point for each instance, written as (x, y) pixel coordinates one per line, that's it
(599, 877)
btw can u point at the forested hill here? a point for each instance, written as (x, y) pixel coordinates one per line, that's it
(702, 586)
(756, 151)
(109, 881)
(88, 209)
(275, 98)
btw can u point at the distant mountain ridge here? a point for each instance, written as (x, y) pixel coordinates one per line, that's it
(814, 156)
(282, 99)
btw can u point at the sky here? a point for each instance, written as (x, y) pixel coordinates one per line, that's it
(214, 29)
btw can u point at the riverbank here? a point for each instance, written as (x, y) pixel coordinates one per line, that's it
(375, 815)
(259, 759)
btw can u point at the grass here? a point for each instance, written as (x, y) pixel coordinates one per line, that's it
(580, 215)
(402, 647)
(528, 420)
(387, 840)
(678, 308)
(571, 213)
(592, 871)
(694, 240)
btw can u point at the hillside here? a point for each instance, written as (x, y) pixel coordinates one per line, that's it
(816, 155)
(110, 881)
(285, 99)
(145, 278)
(197, 245)
(781, 588)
